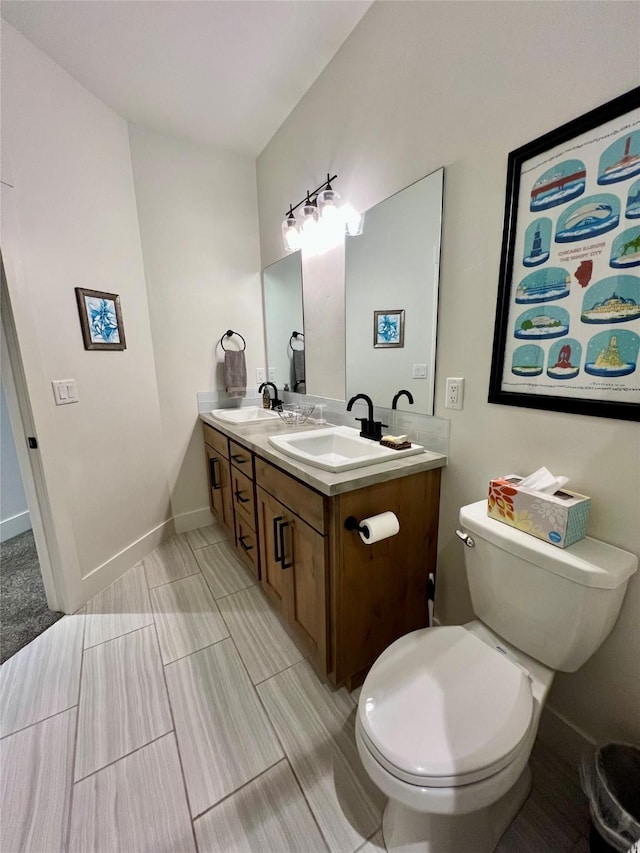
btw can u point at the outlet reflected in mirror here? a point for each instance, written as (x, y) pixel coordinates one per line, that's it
(284, 323)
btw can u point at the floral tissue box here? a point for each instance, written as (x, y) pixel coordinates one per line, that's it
(560, 519)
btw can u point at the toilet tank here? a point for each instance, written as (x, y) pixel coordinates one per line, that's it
(557, 605)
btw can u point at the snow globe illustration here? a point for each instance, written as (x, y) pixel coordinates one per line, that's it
(593, 215)
(537, 242)
(633, 202)
(625, 249)
(613, 300)
(542, 324)
(564, 359)
(621, 160)
(558, 185)
(612, 353)
(544, 285)
(527, 360)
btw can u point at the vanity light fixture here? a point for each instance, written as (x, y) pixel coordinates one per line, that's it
(322, 221)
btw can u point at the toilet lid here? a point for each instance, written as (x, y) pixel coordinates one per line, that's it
(441, 707)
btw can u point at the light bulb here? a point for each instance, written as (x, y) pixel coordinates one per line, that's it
(291, 234)
(354, 221)
(328, 201)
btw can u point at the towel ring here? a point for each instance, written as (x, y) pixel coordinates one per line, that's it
(228, 334)
(296, 335)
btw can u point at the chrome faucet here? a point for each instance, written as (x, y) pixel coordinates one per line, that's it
(368, 427)
(275, 402)
(405, 393)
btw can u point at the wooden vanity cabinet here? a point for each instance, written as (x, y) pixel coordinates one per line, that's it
(343, 600)
(244, 506)
(219, 477)
(294, 558)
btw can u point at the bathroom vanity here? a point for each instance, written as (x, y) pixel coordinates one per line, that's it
(343, 601)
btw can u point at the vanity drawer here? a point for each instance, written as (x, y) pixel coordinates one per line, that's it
(216, 440)
(241, 458)
(247, 548)
(243, 498)
(305, 502)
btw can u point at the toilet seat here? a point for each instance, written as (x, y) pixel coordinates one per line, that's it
(441, 708)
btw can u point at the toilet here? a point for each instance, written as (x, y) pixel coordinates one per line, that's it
(447, 716)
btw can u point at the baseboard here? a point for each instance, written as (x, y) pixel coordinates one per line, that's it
(116, 566)
(14, 526)
(563, 737)
(192, 520)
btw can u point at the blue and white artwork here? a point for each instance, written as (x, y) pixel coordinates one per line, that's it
(613, 300)
(633, 202)
(589, 217)
(542, 324)
(527, 360)
(537, 242)
(612, 353)
(544, 285)
(625, 249)
(103, 322)
(388, 329)
(564, 359)
(621, 160)
(558, 185)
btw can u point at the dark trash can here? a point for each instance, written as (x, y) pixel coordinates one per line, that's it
(611, 780)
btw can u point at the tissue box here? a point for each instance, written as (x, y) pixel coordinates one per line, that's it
(560, 519)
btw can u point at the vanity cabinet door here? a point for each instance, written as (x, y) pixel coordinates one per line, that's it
(218, 472)
(294, 558)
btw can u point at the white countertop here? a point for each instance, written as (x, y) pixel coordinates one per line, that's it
(255, 436)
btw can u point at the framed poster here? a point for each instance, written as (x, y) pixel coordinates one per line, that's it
(567, 333)
(388, 328)
(100, 319)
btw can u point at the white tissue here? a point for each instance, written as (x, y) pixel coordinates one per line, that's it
(543, 481)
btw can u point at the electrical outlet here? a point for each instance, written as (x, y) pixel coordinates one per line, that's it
(455, 393)
(261, 375)
(272, 374)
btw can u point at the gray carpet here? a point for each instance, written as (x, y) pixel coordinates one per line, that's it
(23, 605)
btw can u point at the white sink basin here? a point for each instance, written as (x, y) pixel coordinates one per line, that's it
(250, 414)
(337, 448)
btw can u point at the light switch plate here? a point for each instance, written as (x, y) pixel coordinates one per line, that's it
(272, 374)
(65, 391)
(419, 371)
(261, 375)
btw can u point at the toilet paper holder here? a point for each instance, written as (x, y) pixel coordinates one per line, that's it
(352, 523)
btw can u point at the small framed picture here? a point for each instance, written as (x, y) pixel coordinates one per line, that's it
(100, 319)
(388, 329)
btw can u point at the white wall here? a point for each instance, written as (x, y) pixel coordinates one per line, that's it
(198, 222)
(14, 514)
(423, 85)
(70, 221)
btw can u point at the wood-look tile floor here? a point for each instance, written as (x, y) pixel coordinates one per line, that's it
(175, 714)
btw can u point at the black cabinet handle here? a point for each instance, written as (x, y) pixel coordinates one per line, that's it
(237, 493)
(212, 470)
(284, 565)
(277, 557)
(245, 547)
(239, 459)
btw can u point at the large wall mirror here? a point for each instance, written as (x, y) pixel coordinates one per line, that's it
(391, 280)
(392, 267)
(284, 323)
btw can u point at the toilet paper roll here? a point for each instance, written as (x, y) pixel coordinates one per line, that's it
(379, 527)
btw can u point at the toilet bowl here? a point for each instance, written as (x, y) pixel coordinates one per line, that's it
(447, 716)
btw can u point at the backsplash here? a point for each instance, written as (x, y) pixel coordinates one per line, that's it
(429, 431)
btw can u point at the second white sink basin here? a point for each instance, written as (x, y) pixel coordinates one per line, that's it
(337, 448)
(250, 414)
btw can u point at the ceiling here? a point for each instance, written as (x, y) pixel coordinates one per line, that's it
(221, 72)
